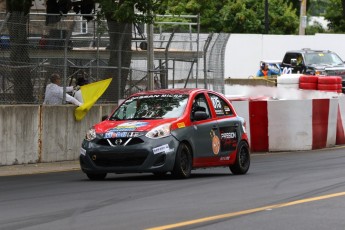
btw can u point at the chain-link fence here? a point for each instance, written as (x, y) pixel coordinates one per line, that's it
(34, 47)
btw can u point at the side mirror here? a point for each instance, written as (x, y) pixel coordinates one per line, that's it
(104, 117)
(200, 115)
(293, 62)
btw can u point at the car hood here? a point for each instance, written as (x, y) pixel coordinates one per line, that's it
(130, 125)
(328, 67)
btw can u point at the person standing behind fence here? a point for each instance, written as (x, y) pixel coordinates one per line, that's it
(54, 92)
(264, 71)
(157, 83)
(77, 95)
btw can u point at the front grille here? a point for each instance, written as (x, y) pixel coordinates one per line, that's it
(119, 160)
(125, 140)
(340, 73)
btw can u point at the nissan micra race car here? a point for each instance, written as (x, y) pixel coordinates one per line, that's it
(167, 131)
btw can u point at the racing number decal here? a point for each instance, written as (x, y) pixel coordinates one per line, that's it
(217, 105)
(215, 142)
(228, 138)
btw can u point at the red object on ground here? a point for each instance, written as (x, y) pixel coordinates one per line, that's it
(308, 82)
(308, 79)
(308, 85)
(329, 83)
(329, 79)
(328, 87)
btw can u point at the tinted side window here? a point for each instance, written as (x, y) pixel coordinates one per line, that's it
(200, 104)
(220, 106)
(288, 57)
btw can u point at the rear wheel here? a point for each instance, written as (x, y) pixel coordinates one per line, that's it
(242, 161)
(98, 176)
(183, 162)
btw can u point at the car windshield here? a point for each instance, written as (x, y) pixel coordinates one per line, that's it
(151, 107)
(322, 59)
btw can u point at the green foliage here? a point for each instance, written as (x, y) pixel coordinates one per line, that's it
(239, 16)
(210, 19)
(248, 16)
(317, 7)
(123, 10)
(283, 18)
(316, 28)
(334, 14)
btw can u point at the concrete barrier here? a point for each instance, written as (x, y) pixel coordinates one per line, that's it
(35, 133)
(340, 140)
(19, 130)
(292, 125)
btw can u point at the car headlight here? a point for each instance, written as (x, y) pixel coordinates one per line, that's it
(159, 132)
(91, 134)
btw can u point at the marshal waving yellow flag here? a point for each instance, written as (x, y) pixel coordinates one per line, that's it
(90, 93)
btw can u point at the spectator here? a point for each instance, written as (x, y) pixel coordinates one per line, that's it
(300, 67)
(157, 83)
(80, 82)
(54, 92)
(264, 71)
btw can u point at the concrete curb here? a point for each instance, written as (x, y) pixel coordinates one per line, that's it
(37, 168)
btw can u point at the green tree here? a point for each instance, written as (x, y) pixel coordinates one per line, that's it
(210, 19)
(239, 16)
(296, 4)
(247, 16)
(283, 18)
(120, 16)
(317, 7)
(335, 15)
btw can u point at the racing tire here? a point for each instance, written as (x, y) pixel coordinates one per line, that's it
(329, 80)
(242, 161)
(94, 176)
(308, 79)
(183, 162)
(308, 85)
(327, 87)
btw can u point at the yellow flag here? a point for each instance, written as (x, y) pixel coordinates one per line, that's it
(90, 93)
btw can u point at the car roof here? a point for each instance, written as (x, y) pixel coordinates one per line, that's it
(306, 50)
(185, 91)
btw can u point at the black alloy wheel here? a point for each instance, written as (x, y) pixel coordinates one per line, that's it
(242, 161)
(183, 162)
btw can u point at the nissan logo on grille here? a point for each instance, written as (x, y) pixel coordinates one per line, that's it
(118, 142)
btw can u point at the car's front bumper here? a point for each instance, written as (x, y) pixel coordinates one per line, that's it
(147, 155)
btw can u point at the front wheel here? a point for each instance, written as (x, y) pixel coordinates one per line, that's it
(242, 161)
(183, 162)
(94, 176)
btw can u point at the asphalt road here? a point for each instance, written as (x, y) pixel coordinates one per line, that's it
(282, 191)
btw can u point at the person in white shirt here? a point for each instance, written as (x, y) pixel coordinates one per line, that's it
(54, 92)
(80, 82)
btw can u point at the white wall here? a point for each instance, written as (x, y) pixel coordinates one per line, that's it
(245, 51)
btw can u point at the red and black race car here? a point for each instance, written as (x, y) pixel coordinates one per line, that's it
(167, 131)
